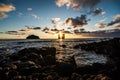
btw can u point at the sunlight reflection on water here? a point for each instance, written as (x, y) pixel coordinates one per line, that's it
(64, 49)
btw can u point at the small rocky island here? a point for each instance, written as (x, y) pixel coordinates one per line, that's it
(32, 37)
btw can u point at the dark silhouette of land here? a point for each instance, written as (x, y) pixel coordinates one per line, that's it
(32, 37)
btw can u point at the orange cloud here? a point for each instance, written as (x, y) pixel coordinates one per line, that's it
(6, 8)
(117, 25)
(117, 16)
(101, 25)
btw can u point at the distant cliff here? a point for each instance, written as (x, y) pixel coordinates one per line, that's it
(32, 37)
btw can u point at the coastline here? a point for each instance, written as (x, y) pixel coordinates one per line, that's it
(41, 64)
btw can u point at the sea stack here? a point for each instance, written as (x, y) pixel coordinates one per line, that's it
(32, 37)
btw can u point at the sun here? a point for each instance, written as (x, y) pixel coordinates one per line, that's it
(61, 35)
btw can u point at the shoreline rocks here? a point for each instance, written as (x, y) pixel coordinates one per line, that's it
(41, 64)
(110, 48)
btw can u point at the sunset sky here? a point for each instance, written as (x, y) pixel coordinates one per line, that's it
(45, 18)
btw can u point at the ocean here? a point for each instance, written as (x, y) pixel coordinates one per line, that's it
(64, 49)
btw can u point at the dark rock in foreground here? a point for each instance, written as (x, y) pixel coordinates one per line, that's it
(110, 48)
(32, 37)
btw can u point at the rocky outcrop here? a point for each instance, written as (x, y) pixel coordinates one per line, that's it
(32, 37)
(110, 48)
(27, 63)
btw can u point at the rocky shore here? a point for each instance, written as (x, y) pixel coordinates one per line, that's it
(42, 64)
(111, 48)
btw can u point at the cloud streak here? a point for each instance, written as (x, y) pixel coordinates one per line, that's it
(35, 16)
(3, 15)
(102, 33)
(15, 33)
(103, 20)
(22, 31)
(116, 20)
(117, 25)
(20, 14)
(29, 9)
(101, 25)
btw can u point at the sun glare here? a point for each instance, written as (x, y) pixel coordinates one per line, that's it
(61, 35)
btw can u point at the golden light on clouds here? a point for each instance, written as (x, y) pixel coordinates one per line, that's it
(6, 8)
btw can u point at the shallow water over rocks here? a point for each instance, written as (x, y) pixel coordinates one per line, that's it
(64, 49)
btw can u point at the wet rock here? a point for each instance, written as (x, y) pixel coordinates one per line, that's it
(49, 60)
(33, 57)
(101, 77)
(41, 56)
(111, 48)
(19, 77)
(37, 76)
(63, 46)
(10, 74)
(40, 64)
(48, 51)
(77, 46)
(29, 67)
(11, 66)
(85, 70)
(76, 76)
(29, 64)
(65, 68)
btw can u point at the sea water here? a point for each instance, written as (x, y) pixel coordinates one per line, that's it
(64, 49)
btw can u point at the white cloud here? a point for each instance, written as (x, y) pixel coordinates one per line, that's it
(35, 16)
(117, 16)
(20, 14)
(29, 9)
(55, 19)
(77, 4)
(103, 20)
(3, 15)
(57, 24)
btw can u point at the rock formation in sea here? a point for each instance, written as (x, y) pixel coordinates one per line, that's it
(32, 37)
